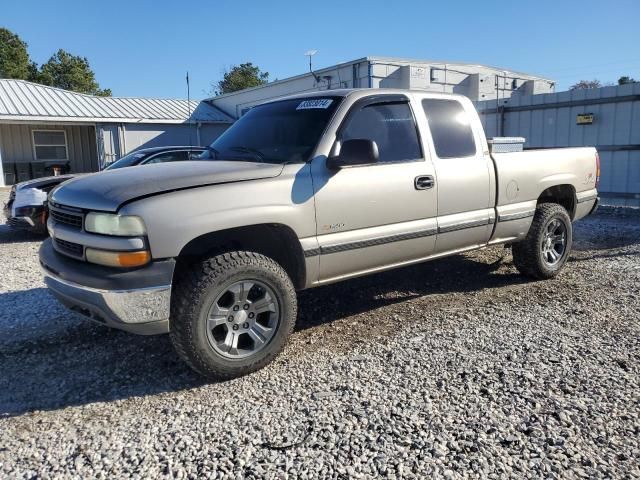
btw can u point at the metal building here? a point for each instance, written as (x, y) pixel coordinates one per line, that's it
(607, 118)
(478, 82)
(41, 126)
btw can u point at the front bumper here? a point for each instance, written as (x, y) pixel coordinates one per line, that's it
(28, 218)
(137, 301)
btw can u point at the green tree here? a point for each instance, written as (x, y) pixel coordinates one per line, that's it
(586, 84)
(239, 77)
(14, 58)
(70, 72)
(624, 80)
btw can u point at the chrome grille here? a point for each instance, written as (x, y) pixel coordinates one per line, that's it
(67, 218)
(69, 248)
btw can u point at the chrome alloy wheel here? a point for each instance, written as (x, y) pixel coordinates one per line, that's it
(243, 319)
(554, 242)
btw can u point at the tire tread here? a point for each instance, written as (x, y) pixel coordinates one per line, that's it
(526, 257)
(189, 288)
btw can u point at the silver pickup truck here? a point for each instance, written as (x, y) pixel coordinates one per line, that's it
(300, 192)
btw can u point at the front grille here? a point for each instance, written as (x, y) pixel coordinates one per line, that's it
(69, 248)
(67, 218)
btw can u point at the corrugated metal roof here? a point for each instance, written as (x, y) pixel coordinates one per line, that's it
(26, 101)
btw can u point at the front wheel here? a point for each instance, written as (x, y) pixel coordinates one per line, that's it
(232, 314)
(546, 248)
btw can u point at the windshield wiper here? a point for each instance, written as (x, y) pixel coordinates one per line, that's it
(252, 151)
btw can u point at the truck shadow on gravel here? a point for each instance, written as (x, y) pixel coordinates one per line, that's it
(86, 363)
(51, 359)
(9, 235)
(80, 363)
(458, 274)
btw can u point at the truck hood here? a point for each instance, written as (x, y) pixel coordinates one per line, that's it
(108, 190)
(44, 182)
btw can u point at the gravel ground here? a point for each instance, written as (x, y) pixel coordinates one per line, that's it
(457, 368)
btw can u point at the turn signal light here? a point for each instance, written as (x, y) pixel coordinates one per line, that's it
(118, 259)
(597, 169)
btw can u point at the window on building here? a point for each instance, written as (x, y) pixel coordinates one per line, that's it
(450, 128)
(50, 145)
(391, 126)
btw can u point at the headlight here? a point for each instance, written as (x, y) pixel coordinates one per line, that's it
(110, 224)
(117, 259)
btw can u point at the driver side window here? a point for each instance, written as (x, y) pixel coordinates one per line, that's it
(391, 126)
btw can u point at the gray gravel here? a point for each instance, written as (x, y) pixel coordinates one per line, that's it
(457, 368)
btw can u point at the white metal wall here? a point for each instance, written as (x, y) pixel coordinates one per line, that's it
(550, 120)
(349, 75)
(116, 140)
(474, 81)
(146, 136)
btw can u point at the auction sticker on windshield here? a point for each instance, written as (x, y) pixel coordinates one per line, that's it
(319, 103)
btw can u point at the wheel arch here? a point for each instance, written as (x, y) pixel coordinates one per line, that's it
(274, 240)
(564, 194)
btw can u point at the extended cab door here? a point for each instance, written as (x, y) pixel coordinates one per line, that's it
(374, 216)
(465, 178)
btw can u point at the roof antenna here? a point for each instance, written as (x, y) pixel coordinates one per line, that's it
(189, 110)
(311, 53)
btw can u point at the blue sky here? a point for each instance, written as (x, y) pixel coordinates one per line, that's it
(144, 48)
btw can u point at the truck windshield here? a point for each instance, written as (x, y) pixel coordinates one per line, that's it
(279, 132)
(126, 161)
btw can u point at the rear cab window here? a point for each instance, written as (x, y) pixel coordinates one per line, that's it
(450, 127)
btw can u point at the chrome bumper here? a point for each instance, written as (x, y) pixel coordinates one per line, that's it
(144, 311)
(26, 220)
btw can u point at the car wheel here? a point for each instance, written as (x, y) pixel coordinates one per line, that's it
(232, 314)
(546, 248)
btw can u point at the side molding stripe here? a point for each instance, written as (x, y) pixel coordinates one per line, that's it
(312, 252)
(515, 216)
(464, 225)
(343, 247)
(587, 199)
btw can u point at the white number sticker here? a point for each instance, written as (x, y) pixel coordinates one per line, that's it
(320, 103)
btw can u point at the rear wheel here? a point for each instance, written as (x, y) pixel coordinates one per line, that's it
(546, 248)
(232, 314)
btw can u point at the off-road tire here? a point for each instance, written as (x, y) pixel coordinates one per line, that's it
(527, 254)
(195, 290)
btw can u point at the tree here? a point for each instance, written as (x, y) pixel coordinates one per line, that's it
(70, 72)
(14, 58)
(585, 84)
(239, 77)
(624, 80)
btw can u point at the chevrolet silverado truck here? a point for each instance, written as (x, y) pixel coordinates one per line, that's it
(300, 192)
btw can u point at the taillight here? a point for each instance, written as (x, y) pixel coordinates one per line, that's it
(597, 169)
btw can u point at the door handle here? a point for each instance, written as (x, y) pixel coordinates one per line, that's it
(424, 182)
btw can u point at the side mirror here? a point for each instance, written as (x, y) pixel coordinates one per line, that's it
(354, 152)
